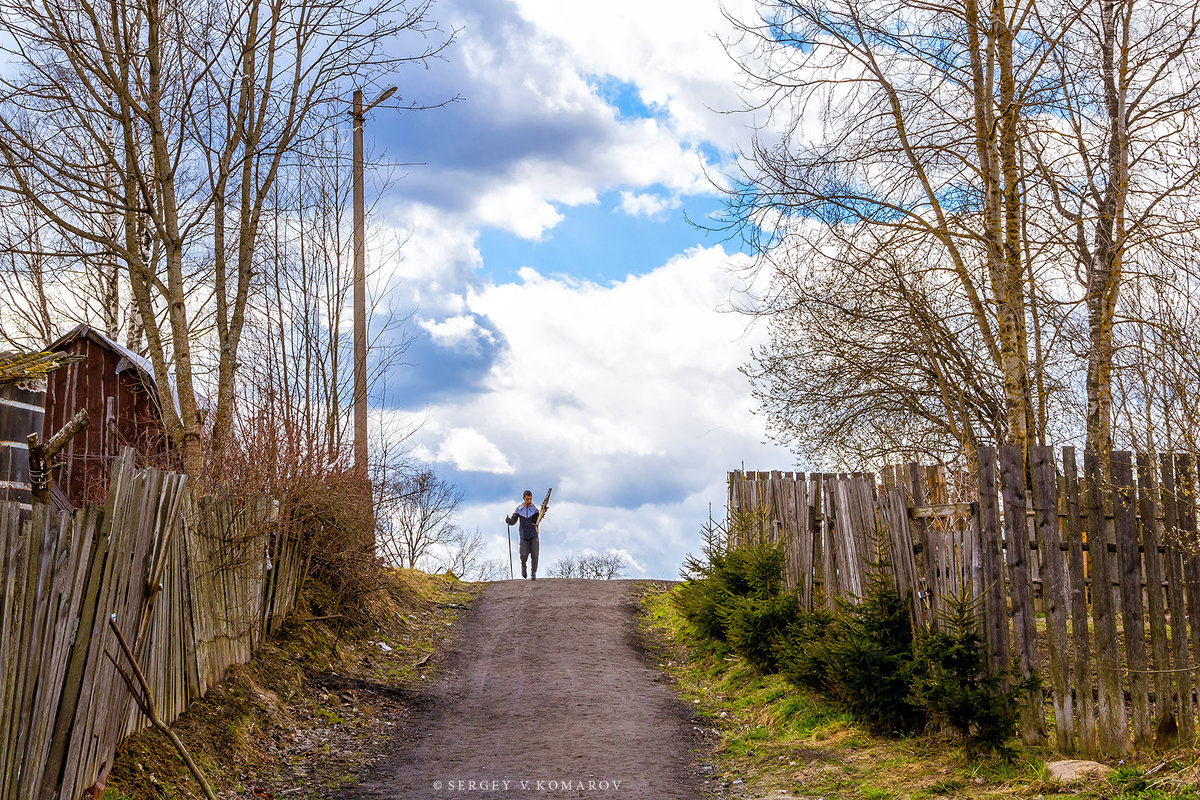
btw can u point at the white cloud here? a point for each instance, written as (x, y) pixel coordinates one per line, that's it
(670, 49)
(647, 204)
(625, 397)
(459, 332)
(470, 451)
(534, 134)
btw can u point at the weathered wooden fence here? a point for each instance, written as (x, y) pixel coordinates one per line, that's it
(1089, 581)
(194, 584)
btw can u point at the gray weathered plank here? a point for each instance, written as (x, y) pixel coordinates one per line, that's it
(1016, 528)
(1054, 594)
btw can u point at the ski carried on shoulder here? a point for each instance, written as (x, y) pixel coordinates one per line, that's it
(537, 526)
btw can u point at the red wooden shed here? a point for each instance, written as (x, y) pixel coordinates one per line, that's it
(117, 388)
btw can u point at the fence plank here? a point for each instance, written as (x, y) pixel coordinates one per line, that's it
(1112, 719)
(995, 609)
(1181, 677)
(1133, 623)
(816, 516)
(852, 556)
(785, 505)
(1150, 533)
(1054, 591)
(1080, 637)
(804, 541)
(920, 529)
(1185, 510)
(829, 547)
(1016, 528)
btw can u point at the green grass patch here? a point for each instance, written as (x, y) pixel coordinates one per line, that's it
(773, 737)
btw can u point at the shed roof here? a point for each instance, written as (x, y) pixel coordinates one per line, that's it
(21, 366)
(129, 359)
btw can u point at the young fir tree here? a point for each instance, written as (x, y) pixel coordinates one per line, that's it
(871, 664)
(955, 686)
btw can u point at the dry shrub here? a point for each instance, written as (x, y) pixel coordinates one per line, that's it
(322, 501)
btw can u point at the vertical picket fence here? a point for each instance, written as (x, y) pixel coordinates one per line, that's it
(193, 583)
(1088, 579)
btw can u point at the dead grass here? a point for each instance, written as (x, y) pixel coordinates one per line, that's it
(313, 708)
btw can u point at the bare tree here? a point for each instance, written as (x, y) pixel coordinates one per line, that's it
(917, 138)
(418, 519)
(1118, 164)
(195, 108)
(464, 557)
(950, 198)
(296, 322)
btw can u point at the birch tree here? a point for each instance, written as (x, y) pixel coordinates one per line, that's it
(989, 173)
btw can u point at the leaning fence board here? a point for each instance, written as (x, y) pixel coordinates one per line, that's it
(1150, 533)
(1133, 624)
(1181, 676)
(1054, 594)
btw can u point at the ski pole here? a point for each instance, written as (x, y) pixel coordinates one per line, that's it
(510, 563)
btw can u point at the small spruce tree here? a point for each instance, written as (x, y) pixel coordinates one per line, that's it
(954, 684)
(870, 653)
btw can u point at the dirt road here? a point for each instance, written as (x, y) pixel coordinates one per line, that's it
(545, 693)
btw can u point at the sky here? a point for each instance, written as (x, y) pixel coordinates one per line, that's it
(571, 325)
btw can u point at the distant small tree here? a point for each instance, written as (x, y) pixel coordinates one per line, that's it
(463, 556)
(591, 566)
(420, 521)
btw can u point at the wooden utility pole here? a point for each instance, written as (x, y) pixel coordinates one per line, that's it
(360, 285)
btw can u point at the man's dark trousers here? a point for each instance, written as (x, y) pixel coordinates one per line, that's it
(529, 548)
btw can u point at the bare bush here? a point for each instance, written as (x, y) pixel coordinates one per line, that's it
(590, 566)
(463, 555)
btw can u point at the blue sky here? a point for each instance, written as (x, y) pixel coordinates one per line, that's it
(571, 328)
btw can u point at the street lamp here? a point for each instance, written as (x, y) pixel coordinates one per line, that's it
(360, 285)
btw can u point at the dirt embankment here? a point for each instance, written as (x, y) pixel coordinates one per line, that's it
(546, 692)
(316, 706)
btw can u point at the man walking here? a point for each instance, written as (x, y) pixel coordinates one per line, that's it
(527, 513)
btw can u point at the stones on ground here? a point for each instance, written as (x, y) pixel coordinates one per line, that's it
(1073, 771)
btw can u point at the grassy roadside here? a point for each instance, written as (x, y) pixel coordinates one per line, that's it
(315, 707)
(773, 740)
